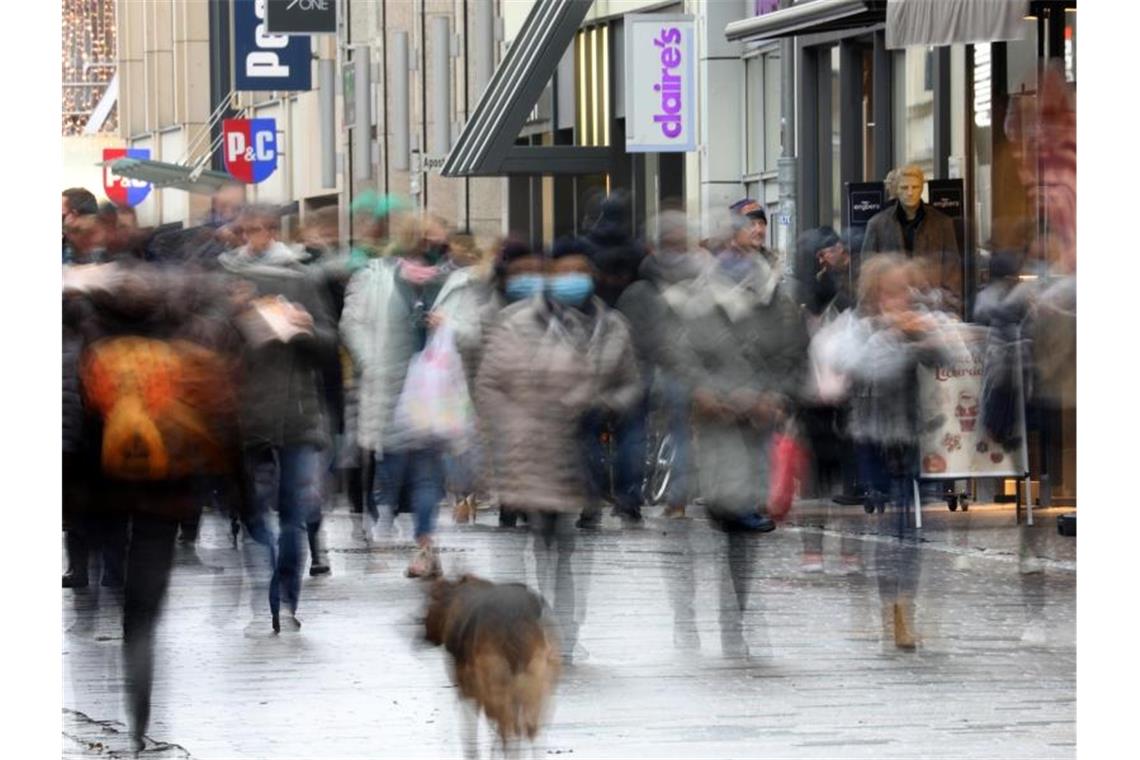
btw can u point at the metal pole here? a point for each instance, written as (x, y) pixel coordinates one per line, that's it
(400, 117)
(483, 35)
(441, 83)
(344, 227)
(917, 505)
(326, 77)
(1028, 501)
(362, 129)
(787, 223)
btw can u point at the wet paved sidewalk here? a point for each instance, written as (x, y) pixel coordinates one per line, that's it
(819, 681)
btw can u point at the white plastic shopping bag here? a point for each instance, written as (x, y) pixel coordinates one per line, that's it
(434, 405)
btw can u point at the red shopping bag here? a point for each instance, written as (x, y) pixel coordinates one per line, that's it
(788, 465)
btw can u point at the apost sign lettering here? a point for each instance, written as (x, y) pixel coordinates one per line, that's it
(124, 191)
(249, 147)
(660, 104)
(266, 61)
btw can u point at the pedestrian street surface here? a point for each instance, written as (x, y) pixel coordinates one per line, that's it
(818, 681)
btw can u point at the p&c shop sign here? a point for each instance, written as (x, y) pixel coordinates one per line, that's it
(266, 61)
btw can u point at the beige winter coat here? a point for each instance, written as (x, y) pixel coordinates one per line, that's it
(542, 369)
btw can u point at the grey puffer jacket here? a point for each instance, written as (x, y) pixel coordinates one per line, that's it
(281, 398)
(543, 368)
(742, 339)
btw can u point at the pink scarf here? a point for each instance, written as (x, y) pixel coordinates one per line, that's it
(417, 274)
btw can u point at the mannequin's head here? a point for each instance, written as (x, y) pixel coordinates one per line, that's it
(910, 182)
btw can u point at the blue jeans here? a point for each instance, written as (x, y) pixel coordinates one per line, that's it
(629, 473)
(889, 473)
(286, 480)
(411, 481)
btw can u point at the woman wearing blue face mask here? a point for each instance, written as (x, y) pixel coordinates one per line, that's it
(550, 362)
(519, 276)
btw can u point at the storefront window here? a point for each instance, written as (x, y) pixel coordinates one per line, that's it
(772, 108)
(762, 141)
(1071, 44)
(982, 141)
(755, 118)
(914, 116)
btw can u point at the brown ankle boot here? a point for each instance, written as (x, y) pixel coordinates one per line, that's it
(904, 625)
(464, 510)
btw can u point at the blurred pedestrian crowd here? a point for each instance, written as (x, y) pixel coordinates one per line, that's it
(270, 373)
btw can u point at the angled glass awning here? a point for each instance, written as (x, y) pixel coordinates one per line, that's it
(808, 18)
(162, 174)
(950, 22)
(486, 146)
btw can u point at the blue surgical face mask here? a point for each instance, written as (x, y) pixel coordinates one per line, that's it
(571, 289)
(522, 286)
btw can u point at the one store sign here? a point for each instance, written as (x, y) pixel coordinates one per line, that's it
(265, 61)
(124, 191)
(250, 148)
(301, 16)
(660, 92)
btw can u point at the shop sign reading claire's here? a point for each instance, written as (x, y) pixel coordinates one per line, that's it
(660, 86)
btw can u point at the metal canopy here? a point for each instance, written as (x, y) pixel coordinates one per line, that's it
(808, 18)
(162, 174)
(486, 146)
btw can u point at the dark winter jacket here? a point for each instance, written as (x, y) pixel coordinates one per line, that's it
(653, 324)
(934, 240)
(281, 393)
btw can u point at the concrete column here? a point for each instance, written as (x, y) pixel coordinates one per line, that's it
(720, 72)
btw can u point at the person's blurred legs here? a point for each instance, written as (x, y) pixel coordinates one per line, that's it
(593, 456)
(680, 576)
(317, 549)
(680, 432)
(631, 438)
(897, 558)
(299, 498)
(425, 478)
(262, 472)
(554, 540)
(78, 554)
(76, 498)
(149, 561)
(112, 530)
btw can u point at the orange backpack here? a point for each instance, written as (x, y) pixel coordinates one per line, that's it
(165, 407)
